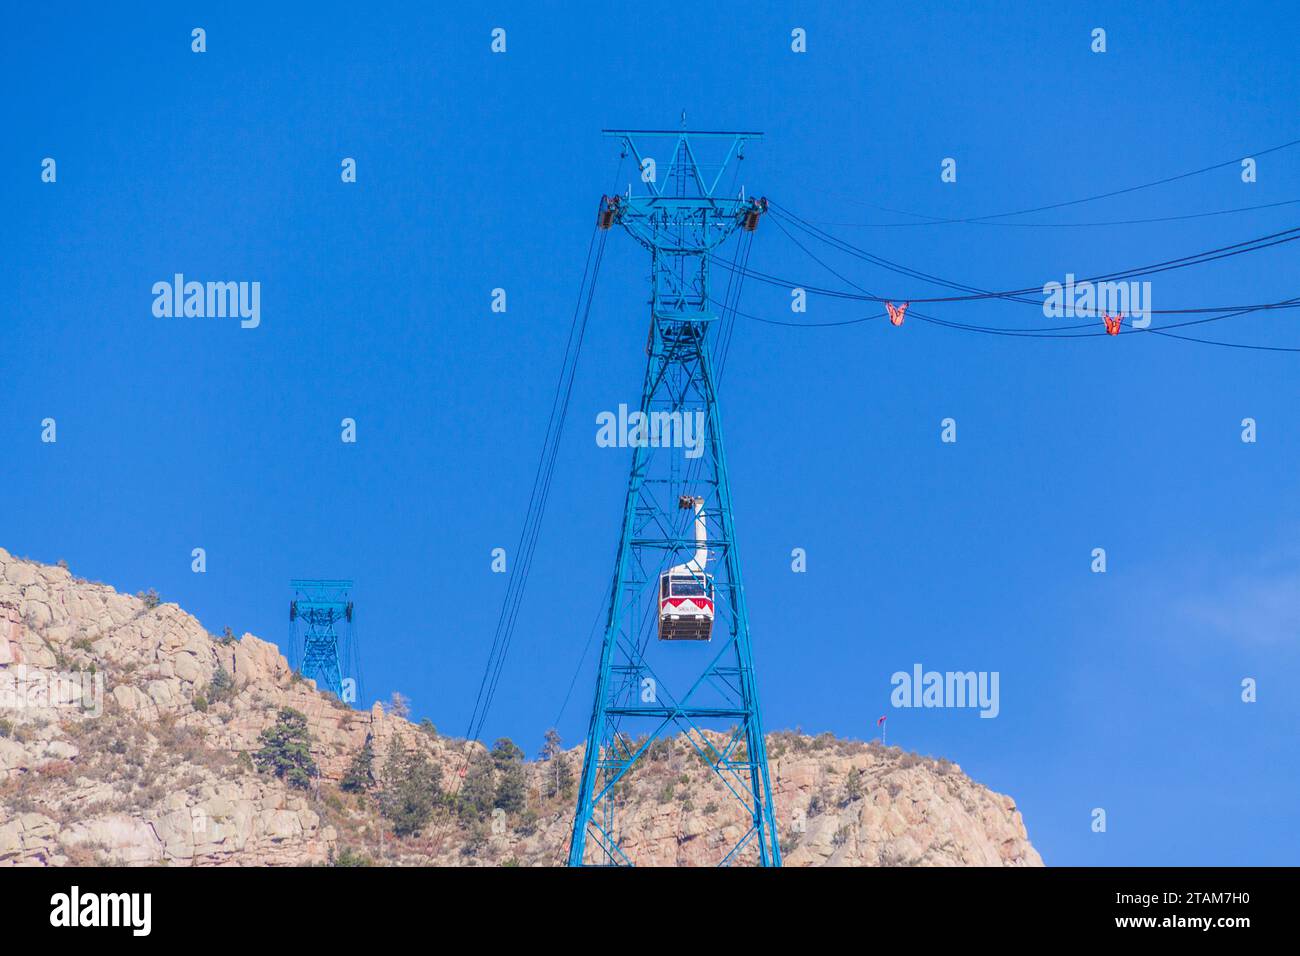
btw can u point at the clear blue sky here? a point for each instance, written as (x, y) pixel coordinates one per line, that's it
(478, 170)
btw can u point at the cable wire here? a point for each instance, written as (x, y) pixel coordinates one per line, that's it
(1086, 199)
(1060, 225)
(540, 492)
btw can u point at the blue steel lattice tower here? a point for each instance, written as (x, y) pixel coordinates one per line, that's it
(665, 672)
(316, 610)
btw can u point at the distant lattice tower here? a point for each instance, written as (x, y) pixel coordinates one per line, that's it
(323, 644)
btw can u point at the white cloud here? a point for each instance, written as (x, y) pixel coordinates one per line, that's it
(1259, 608)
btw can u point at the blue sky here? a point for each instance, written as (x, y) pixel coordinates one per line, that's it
(478, 171)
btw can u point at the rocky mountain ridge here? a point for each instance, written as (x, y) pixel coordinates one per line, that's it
(130, 735)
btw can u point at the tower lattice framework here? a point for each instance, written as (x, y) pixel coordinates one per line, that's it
(647, 689)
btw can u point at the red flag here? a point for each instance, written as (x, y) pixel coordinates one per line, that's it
(880, 720)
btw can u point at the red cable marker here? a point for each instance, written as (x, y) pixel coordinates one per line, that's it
(1112, 323)
(896, 312)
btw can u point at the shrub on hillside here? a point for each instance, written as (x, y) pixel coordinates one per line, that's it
(852, 787)
(221, 687)
(350, 857)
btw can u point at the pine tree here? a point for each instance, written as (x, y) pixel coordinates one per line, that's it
(852, 787)
(551, 744)
(361, 772)
(399, 705)
(286, 750)
(512, 790)
(221, 687)
(410, 788)
(563, 776)
(478, 791)
(560, 778)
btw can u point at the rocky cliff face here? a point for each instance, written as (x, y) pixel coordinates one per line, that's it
(122, 742)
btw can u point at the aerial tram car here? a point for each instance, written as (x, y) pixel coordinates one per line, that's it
(685, 590)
